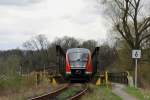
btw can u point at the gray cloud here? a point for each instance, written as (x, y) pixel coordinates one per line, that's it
(54, 18)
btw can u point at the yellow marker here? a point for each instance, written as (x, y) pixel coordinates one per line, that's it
(98, 82)
(54, 83)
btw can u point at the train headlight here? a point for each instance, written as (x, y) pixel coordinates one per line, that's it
(88, 72)
(68, 72)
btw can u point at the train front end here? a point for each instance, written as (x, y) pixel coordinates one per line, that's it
(78, 64)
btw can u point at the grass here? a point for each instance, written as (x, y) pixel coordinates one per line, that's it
(100, 93)
(10, 84)
(140, 95)
(69, 92)
(146, 93)
(22, 87)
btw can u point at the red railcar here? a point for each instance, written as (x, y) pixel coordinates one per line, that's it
(77, 63)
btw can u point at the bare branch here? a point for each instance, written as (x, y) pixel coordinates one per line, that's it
(126, 18)
(124, 36)
(144, 37)
(144, 25)
(131, 4)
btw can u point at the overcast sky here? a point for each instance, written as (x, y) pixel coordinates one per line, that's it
(22, 19)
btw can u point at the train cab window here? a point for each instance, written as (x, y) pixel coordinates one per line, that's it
(84, 57)
(78, 59)
(76, 56)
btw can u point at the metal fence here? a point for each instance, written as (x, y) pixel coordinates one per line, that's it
(121, 77)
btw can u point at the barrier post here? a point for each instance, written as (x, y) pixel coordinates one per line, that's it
(98, 82)
(106, 78)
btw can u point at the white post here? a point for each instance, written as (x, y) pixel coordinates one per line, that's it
(135, 73)
(136, 54)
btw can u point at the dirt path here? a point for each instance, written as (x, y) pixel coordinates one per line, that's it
(118, 90)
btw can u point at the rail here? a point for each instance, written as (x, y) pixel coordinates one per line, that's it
(78, 95)
(51, 94)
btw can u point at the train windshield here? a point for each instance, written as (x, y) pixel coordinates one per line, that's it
(78, 59)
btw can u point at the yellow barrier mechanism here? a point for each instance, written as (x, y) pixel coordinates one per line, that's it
(103, 79)
(98, 82)
(54, 83)
(52, 80)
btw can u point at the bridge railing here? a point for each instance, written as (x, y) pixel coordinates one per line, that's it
(120, 77)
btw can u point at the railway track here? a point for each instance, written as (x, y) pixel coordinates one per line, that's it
(78, 95)
(54, 94)
(51, 94)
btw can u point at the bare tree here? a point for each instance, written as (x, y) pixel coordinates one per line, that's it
(66, 42)
(90, 44)
(39, 44)
(130, 21)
